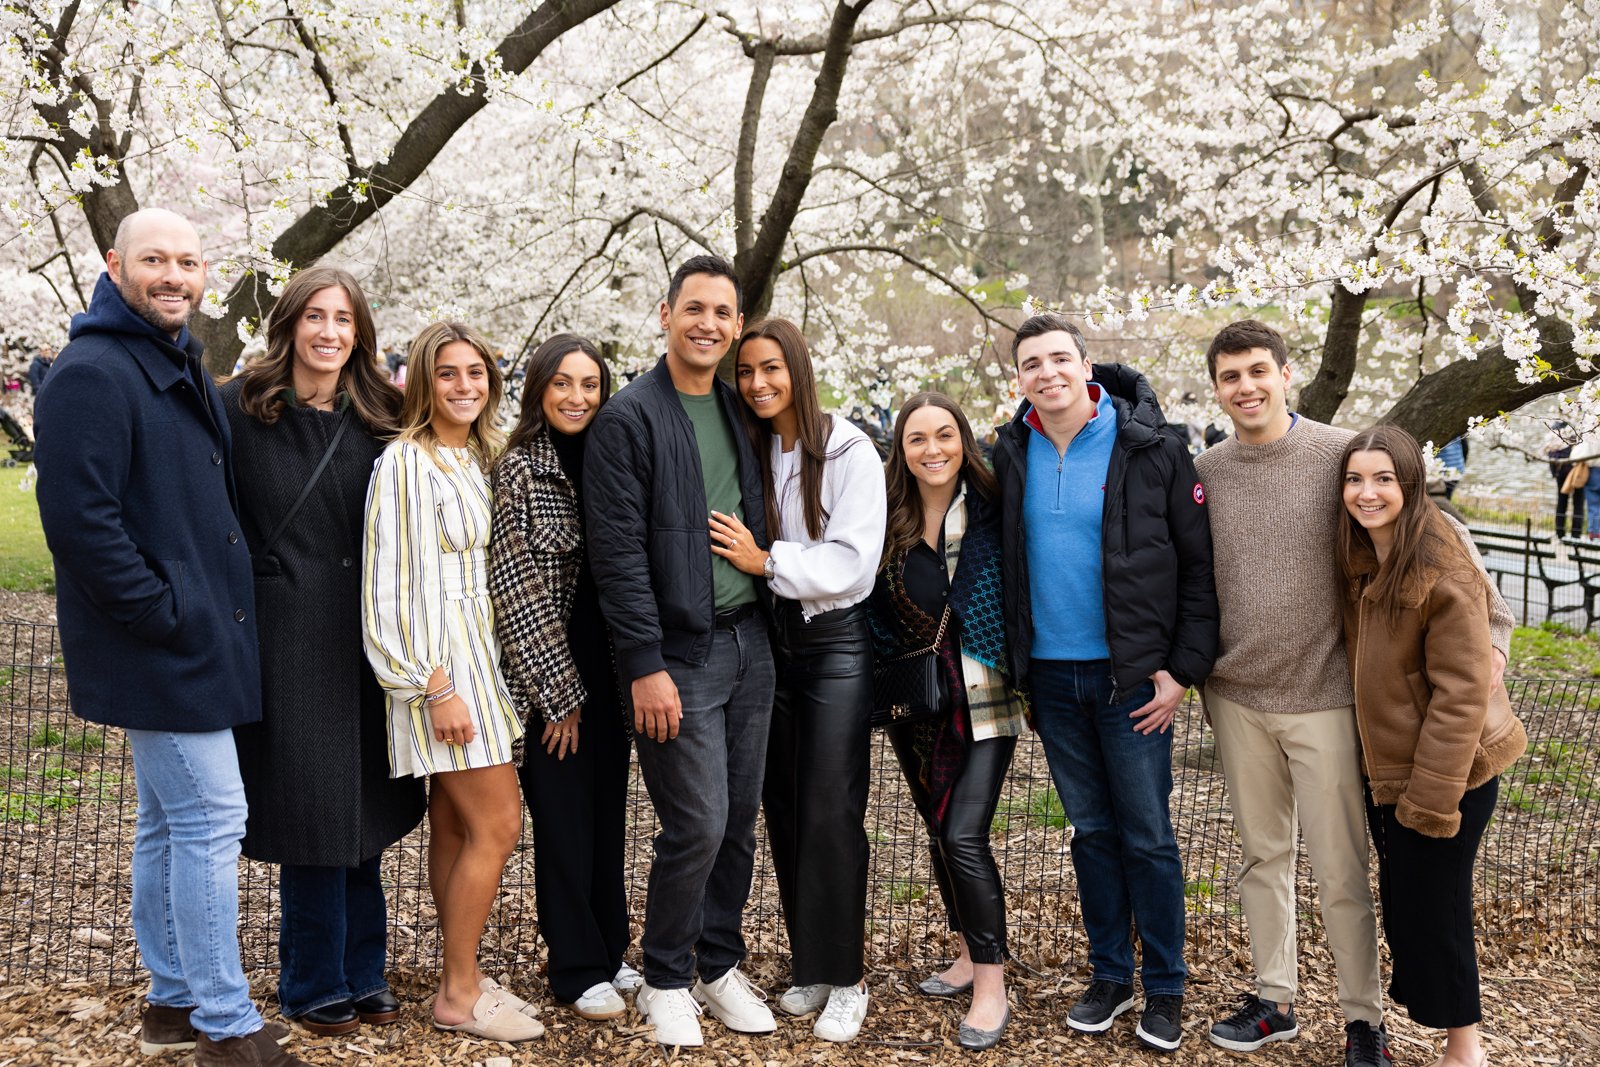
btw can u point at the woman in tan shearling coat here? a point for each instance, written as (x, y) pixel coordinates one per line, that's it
(1436, 729)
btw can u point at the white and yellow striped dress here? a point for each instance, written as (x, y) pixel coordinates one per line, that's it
(425, 604)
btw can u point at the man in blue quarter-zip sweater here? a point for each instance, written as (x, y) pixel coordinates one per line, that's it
(1111, 615)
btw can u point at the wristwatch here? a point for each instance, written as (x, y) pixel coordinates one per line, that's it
(767, 567)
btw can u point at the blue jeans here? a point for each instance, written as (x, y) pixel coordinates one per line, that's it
(1591, 499)
(1115, 784)
(706, 788)
(186, 877)
(332, 941)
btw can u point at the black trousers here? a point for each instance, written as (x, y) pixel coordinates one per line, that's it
(579, 807)
(963, 865)
(815, 795)
(1425, 888)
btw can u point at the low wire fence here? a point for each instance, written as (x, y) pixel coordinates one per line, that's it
(68, 807)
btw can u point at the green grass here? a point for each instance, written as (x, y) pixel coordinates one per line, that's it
(1041, 809)
(1551, 650)
(24, 561)
(906, 892)
(45, 736)
(84, 741)
(31, 807)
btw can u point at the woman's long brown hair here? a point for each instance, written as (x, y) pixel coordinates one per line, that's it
(905, 493)
(374, 399)
(1424, 543)
(812, 425)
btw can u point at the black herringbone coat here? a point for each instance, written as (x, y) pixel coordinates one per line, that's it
(535, 558)
(316, 768)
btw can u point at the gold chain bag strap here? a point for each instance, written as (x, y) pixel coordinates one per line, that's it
(910, 687)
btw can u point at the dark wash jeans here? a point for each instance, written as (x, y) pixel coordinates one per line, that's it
(332, 941)
(706, 788)
(1115, 785)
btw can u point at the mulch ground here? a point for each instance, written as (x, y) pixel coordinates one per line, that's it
(1537, 1010)
(1540, 994)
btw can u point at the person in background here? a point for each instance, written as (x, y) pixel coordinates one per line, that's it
(556, 656)
(157, 615)
(429, 631)
(1436, 726)
(1557, 450)
(942, 553)
(823, 485)
(1454, 457)
(309, 418)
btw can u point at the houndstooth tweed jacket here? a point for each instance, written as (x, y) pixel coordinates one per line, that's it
(534, 561)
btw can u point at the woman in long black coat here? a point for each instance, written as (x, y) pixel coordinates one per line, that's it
(316, 768)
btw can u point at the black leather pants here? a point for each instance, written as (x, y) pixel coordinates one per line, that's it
(818, 770)
(963, 865)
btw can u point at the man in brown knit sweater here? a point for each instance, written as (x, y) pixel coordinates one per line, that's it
(1279, 698)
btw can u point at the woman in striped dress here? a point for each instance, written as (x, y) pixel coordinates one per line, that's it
(429, 630)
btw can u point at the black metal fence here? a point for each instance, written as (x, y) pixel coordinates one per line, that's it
(67, 818)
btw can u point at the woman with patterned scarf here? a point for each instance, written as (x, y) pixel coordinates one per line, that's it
(942, 548)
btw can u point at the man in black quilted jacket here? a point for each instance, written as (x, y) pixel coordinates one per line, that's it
(691, 642)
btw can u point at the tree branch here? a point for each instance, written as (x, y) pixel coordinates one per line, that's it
(320, 69)
(910, 260)
(1341, 345)
(757, 265)
(322, 227)
(744, 164)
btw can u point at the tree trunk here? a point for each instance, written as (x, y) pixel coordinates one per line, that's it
(757, 265)
(1439, 406)
(319, 230)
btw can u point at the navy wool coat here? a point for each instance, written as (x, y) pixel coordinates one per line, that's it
(153, 586)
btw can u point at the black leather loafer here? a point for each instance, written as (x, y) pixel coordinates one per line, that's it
(378, 1009)
(330, 1020)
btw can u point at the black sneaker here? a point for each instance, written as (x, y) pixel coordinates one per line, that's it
(1366, 1045)
(1253, 1025)
(1161, 1024)
(1099, 1006)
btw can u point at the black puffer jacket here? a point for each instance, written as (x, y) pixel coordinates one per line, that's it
(1160, 600)
(645, 505)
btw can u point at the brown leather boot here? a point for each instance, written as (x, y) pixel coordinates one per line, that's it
(163, 1029)
(260, 1049)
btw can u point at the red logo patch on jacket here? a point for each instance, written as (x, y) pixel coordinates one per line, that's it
(1199, 493)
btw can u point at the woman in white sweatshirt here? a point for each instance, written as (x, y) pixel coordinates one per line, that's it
(826, 507)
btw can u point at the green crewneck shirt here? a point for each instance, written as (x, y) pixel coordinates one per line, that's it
(719, 464)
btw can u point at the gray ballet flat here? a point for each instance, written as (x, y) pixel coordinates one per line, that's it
(977, 1040)
(934, 986)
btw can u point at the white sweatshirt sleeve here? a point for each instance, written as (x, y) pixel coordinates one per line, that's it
(840, 566)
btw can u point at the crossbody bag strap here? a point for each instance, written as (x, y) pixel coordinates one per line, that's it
(938, 639)
(305, 493)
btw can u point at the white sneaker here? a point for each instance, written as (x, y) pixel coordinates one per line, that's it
(600, 1001)
(740, 1005)
(627, 980)
(804, 999)
(674, 1013)
(841, 1019)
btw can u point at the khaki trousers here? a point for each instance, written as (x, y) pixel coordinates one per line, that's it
(1307, 767)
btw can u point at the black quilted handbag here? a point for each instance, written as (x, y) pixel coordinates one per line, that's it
(910, 687)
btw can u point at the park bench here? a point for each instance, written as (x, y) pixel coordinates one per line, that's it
(1586, 554)
(1528, 556)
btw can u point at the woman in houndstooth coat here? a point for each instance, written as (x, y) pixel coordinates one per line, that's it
(556, 657)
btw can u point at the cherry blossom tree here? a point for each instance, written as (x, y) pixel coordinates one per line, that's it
(1403, 185)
